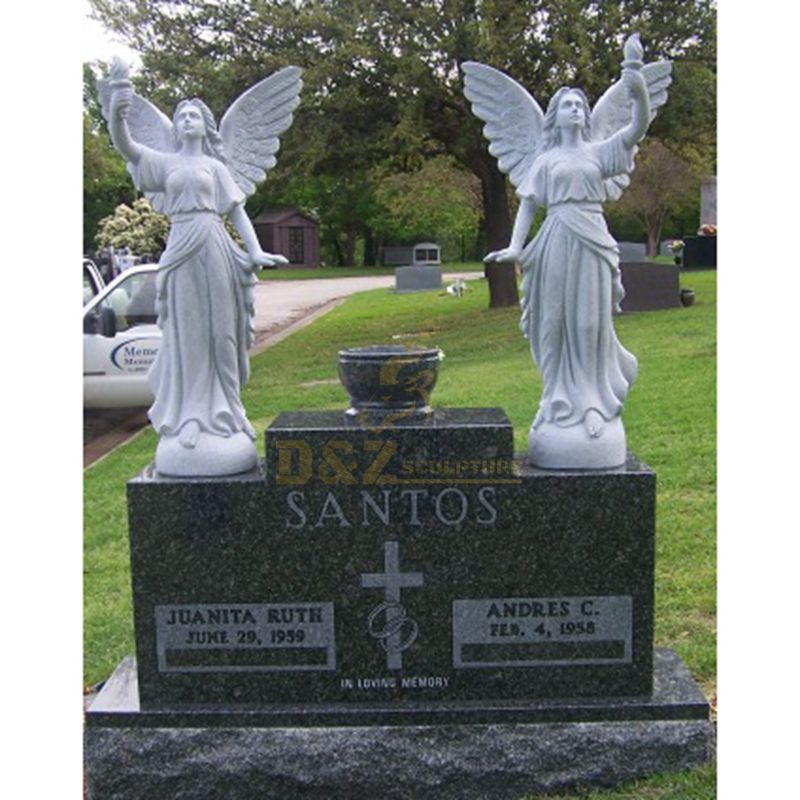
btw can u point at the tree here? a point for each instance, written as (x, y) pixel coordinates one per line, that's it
(106, 182)
(382, 76)
(660, 182)
(439, 201)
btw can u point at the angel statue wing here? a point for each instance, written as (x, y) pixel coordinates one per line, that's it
(513, 118)
(613, 111)
(147, 125)
(251, 127)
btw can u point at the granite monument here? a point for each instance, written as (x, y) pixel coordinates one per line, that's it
(392, 603)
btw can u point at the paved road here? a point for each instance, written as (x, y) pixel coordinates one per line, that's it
(280, 308)
(279, 303)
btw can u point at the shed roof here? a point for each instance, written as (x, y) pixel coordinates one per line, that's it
(280, 213)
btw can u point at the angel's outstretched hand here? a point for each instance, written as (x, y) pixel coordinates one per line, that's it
(263, 259)
(507, 254)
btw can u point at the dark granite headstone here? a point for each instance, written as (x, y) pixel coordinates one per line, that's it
(417, 278)
(650, 286)
(407, 574)
(374, 565)
(700, 252)
(631, 251)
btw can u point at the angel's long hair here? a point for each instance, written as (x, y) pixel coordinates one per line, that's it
(551, 133)
(212, 141)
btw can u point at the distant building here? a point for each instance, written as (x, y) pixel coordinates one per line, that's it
(289, 232)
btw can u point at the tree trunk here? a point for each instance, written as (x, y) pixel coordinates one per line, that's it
(652, 242)
(502, 285)
(497, 220)
(350, 247)
(339, 253)
(369, 248)
(502, 277)
(654, 233)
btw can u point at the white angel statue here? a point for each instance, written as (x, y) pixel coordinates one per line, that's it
(571, 160)
(197, 174)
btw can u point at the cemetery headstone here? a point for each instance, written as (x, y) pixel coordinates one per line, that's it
(421, 278)
(392, 603)
(392, 574)
(650, 286)
(421, 267)
(632, 251)
(700, 252)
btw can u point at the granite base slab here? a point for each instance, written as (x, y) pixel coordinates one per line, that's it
(675, 696)
(506, 751)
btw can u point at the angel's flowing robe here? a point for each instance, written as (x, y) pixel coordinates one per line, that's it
(571, 285)
(204, 298)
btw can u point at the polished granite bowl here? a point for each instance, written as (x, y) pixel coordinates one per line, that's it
(389, 378)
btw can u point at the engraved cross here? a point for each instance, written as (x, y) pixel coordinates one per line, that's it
(392, 581)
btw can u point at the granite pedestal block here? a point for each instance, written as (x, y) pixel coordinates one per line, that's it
(417, 279)
(415, 561)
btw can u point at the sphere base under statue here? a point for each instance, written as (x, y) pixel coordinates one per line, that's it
(211, 456)
(553, 447)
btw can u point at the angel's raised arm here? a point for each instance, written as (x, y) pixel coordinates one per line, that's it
(135, 124)
(119, 108)
(644, 84)
(634, 131)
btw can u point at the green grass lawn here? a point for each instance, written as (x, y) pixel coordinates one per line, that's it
(288, 274)
(670, 418)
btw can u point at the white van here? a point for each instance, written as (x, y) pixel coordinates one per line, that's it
(121, 340)
(93, 282)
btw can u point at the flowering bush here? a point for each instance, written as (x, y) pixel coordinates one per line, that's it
(136, 227)
(141, 229)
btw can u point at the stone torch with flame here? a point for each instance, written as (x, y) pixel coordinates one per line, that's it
(634, 53)
(121, 85)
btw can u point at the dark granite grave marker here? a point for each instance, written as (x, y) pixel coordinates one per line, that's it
(417, 278)
(391, 570)
(700, 252)
(375, 565)
(650, 286)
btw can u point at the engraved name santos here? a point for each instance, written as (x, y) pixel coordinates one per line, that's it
(415, 507)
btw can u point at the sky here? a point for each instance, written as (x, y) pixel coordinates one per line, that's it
(98, 44)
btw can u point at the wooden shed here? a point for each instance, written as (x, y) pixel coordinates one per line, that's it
(290, 232)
